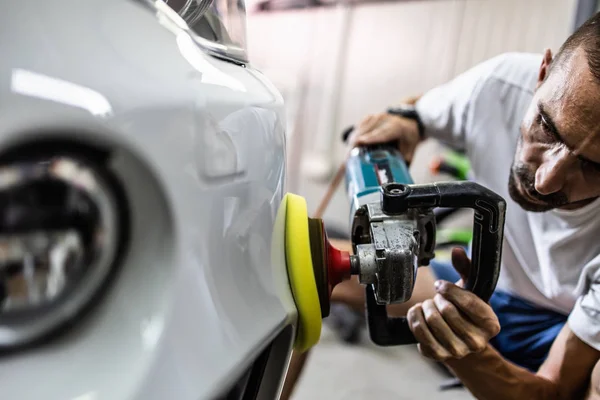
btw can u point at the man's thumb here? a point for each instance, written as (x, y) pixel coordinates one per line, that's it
(461, 262)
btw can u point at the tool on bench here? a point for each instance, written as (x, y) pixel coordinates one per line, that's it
(393, 233)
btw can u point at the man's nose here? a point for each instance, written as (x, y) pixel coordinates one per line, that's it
(552, 174)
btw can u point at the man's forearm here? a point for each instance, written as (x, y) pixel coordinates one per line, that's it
(489, 377)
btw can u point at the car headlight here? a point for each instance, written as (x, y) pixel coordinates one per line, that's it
(59, 237)
(219, 26)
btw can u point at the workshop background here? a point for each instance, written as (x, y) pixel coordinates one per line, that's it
(336, 62)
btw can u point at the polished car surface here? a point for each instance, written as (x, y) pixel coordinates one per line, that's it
(173, 286)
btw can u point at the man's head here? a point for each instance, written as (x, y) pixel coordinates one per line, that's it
(557, 162)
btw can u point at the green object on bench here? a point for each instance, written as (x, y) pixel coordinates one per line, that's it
(463, 236)
(459, 162)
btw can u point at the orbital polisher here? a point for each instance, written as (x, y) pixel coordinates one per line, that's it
(393, 233)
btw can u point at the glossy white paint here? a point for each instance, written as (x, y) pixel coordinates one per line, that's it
(198, 144)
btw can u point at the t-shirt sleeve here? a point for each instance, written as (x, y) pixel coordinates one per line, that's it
(444, 110)
(584, 320)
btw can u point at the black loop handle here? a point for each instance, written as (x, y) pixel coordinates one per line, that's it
(488, 235)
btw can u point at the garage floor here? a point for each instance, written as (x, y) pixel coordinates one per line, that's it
(336, 371)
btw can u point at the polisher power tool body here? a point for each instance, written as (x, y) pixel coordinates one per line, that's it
(393, 233)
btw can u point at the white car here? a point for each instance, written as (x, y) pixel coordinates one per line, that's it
(142, 164)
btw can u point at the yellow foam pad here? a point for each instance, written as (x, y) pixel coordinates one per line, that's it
(301, 273)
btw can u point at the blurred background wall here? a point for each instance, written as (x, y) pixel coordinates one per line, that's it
(336, 64)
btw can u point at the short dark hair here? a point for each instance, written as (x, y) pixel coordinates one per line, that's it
(588, 37)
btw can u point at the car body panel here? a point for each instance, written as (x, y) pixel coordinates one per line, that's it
(198, 144)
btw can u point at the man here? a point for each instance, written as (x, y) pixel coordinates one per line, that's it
(530, 126)
(532, 122)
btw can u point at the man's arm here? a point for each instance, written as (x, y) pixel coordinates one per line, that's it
(564, 375)
(444, 112)
(456, 325)
(593, 392)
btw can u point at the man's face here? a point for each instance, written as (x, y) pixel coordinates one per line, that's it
(557, 161)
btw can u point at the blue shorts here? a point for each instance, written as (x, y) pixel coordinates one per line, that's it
(527, 331)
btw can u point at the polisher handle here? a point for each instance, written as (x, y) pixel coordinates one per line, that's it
(488, 235)
(488, 231)
(385, 331)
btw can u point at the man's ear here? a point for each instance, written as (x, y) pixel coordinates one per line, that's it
(545, 67)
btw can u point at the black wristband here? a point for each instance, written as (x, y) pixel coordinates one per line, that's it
(409, 112)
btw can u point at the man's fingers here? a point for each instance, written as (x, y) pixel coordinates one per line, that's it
(364, 123)
(426, 352)
(474, 338)
(479, 312)
(428, 344)
(442, 331)
(379, 134)
(368, 124)
(363, 134)
(461, 262)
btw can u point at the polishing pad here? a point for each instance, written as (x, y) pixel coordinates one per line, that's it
(301, 273)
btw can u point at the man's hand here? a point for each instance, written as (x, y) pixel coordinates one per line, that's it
(456, 322)
(381, 128)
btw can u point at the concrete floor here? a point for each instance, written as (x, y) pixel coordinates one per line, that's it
(336, 371)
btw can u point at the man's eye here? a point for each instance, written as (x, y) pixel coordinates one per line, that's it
(544, 127)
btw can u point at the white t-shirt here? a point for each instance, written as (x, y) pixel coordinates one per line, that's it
(550, 259)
